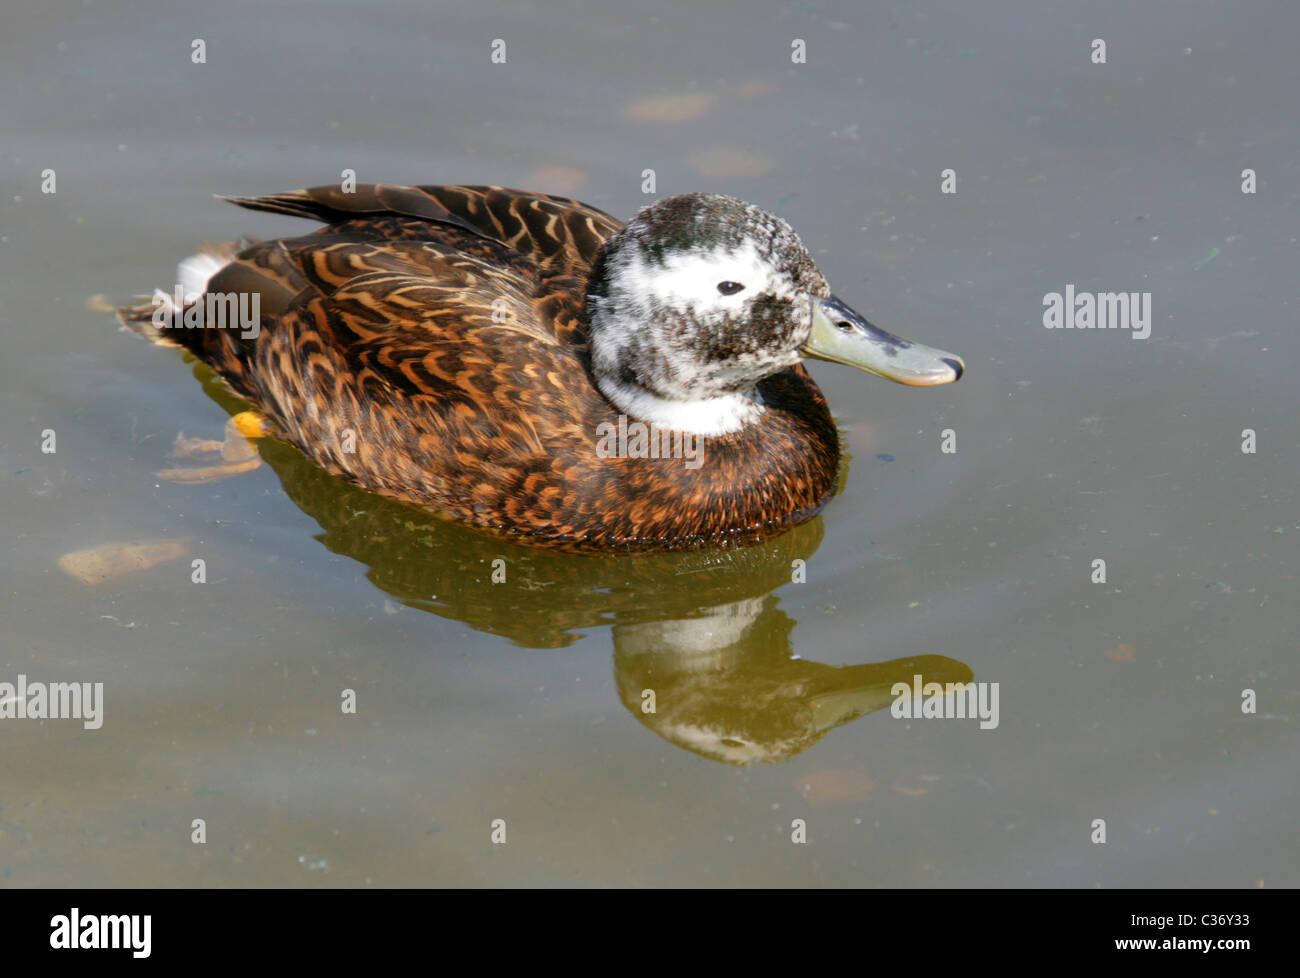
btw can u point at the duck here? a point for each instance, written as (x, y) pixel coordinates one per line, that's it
(528, 365)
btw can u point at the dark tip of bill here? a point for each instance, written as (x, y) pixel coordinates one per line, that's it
(957, 366)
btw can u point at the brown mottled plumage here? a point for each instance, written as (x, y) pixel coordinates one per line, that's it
(440, 333)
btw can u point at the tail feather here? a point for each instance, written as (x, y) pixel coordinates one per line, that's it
(295, 204)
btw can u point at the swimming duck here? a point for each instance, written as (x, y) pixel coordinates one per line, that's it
(484, 352)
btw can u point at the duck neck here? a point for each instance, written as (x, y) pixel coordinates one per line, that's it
(710, 417)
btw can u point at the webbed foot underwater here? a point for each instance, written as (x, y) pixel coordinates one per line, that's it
(468, 350)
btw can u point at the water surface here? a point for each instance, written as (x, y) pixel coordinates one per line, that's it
(522, 700)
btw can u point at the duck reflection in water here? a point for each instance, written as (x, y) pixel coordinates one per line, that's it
(702, 653)
(728, 686)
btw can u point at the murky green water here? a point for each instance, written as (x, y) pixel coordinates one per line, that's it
(524, 700)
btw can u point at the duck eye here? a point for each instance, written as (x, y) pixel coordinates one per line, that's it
(729, 288)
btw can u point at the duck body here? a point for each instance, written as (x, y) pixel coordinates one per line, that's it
(434, 344)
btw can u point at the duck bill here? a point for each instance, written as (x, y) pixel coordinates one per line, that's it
(844, 336)
(843, 694)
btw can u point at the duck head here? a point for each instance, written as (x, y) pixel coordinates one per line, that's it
(701, 296)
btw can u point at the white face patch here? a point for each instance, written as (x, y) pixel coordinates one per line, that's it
(668, 346)
(689, 280)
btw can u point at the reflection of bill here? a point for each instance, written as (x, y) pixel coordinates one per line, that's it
(726, 685)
